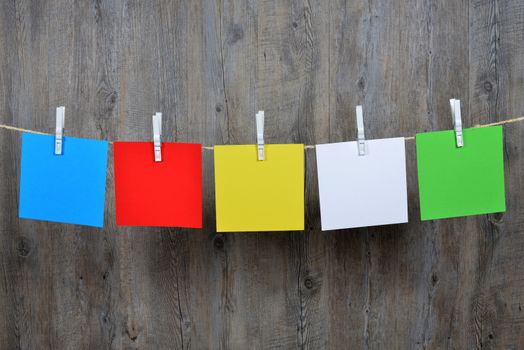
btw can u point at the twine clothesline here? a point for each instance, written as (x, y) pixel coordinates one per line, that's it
(407, 138)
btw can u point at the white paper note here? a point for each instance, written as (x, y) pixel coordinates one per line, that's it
(358, 191)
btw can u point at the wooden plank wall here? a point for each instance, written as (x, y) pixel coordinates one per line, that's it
(209, 66)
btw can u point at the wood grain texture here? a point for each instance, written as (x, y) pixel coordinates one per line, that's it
(209, 66)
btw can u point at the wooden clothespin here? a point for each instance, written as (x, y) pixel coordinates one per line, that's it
(260, 134)
(457, 121)
(361, 139)
(59, 136)
(157, 133)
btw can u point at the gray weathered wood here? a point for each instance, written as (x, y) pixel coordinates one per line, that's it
(209, 66)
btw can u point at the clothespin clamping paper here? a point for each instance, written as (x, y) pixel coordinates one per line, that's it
(361, 139)
(260, 134)
(59, 137)
(157, 133)
(457, 121)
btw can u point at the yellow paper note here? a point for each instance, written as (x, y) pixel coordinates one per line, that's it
(259, 195)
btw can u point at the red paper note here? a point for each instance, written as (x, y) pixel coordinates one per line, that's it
(166, 193)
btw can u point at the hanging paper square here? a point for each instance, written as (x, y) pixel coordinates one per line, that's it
(462, 181)
(362, 190)
(69, 187)
(166, 193)
(265, 195)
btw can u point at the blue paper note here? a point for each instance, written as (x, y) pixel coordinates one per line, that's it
(67, 188)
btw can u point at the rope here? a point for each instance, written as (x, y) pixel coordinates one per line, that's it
(407, 138)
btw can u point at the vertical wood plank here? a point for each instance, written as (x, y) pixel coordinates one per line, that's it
(497, 74)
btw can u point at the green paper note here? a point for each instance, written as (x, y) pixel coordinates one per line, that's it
(460, 181)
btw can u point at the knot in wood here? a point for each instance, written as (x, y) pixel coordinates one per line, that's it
(218, 242)
(488, 86)
(235, 33)
(308, 283)
(23, 246)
